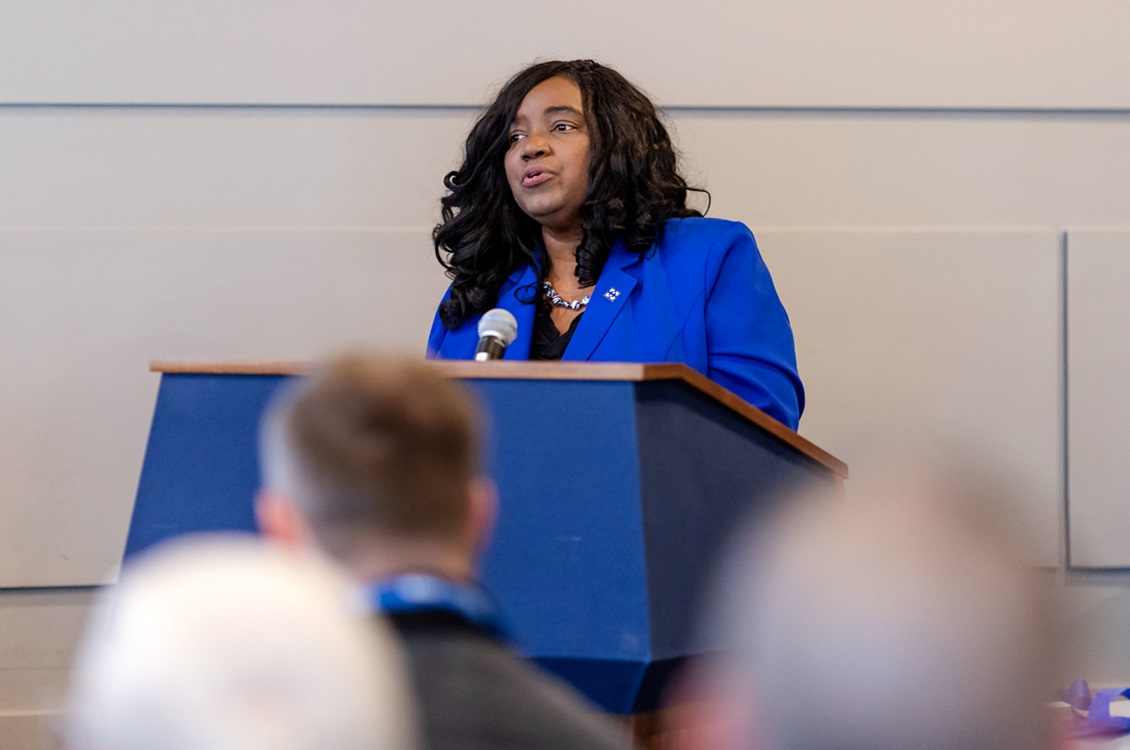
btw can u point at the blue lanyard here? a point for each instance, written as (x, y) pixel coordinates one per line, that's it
(419, 592)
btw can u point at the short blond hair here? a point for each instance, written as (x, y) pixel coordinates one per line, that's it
(382, 444)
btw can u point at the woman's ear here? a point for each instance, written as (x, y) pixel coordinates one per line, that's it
(279, 520)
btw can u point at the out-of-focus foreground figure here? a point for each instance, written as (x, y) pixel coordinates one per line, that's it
(230, 643)
(375, 462)
(896, 618)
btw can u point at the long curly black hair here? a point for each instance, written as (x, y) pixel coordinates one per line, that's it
(634, 186)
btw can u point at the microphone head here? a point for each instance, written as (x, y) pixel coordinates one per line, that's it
(500, 324)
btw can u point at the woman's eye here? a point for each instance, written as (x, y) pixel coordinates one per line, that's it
(562, 126)
(515, 137)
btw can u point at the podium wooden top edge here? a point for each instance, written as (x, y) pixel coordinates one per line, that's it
(454, 368)
(230, 368)
(503, 370)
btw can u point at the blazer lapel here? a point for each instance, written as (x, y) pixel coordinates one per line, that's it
(518, 285)
(609, 297)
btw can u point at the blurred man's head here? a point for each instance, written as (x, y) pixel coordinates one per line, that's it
(233, 643)
(376, 462)
(893, 619)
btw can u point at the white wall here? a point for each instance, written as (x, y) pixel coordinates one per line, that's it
(259, 179)
(878, 53)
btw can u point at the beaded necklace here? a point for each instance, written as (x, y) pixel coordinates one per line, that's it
(555, 299)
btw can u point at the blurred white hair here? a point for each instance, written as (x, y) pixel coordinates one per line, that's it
(229, 643)
(897, 617)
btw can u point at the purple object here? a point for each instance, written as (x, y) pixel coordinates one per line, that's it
(1092, 710)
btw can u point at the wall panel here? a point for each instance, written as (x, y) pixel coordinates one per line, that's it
(383, 168)
(29, 731)
(82, 314)
(860, 169)
(907, 336)
(210, 168)
(39, 631)
(1098, 315)
(824, 53)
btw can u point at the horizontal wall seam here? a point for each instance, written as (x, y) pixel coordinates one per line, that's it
(1117, 112)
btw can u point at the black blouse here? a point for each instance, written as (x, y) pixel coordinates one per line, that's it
(548, 342)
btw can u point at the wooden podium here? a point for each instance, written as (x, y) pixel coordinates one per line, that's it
(618, 485)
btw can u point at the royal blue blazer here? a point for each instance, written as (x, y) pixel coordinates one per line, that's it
(701, 296)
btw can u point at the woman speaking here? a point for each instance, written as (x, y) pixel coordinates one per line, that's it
(569, 211)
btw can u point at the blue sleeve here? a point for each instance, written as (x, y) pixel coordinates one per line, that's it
(438, 333)
(749, 339)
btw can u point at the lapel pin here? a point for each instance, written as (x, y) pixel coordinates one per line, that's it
(612, 294)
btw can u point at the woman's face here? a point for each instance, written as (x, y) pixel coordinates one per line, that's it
(547, 164)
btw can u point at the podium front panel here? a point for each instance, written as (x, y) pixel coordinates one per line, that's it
(614, 498)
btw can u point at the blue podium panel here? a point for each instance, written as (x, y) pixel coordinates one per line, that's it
(201, 465)
(567, 554)
(705, 471)
(615, 494)
(567, 561)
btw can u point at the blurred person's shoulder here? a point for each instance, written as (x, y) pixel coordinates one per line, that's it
(476, 692)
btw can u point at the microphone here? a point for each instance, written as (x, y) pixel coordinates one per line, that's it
(497, 328)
